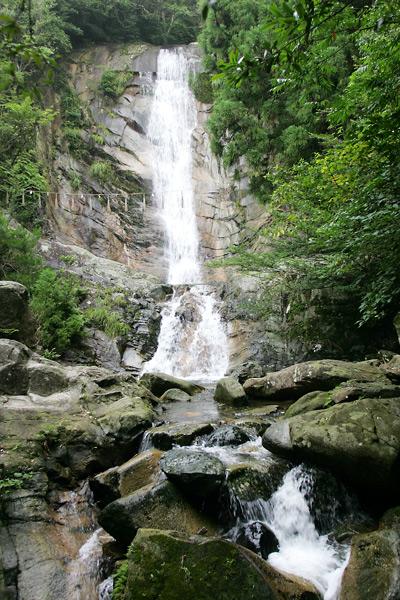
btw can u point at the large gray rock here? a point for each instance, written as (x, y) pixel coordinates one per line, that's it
(15, 317)
(175, 395)
(159, 506)
(159, 383)
(230, 391)
(198, 473)
(359, 441)
(345, 392)
(295, 381)
(227, 435)
(196, 567)
(140, 471)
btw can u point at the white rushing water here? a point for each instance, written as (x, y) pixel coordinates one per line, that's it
(192, 341)
(302, 550)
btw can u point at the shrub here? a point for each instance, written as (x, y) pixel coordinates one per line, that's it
(19, 260)
(113, 83)
(55, 302)
(201, 86)
(102, 171)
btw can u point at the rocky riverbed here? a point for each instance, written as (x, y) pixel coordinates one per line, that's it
(155, 486)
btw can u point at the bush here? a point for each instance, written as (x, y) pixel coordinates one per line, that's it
(55, 302)
(19, 260)
(113, 83)
(102, 171)
(202, 89)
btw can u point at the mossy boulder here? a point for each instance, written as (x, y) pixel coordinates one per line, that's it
(359, 441)
(230, 391)
(160, 506)
(138, 472)
(16, 321)
(295, 381)
(159, 383)
(373, 570)
(171, 566)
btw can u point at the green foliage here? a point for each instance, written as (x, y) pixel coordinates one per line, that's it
(75, 180)
(55, 302)
(201, 86)
(327, 160)
(113, 83)
(104, 316)
(13, 482)
(120, 579)
(18, 258)
(102, 171)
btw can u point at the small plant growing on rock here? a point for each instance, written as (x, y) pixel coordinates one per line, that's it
(113, 83)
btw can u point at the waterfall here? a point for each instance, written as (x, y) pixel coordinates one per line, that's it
(192, 341)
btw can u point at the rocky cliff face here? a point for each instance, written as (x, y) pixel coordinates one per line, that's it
(111, 212)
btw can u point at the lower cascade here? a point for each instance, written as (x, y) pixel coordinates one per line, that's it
(192, 342)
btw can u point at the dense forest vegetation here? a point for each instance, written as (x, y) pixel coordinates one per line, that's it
(308, 93)
(304, 93)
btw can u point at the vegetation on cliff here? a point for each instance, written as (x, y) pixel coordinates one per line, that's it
(307, 92)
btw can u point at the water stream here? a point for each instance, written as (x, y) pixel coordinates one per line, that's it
(192, 342)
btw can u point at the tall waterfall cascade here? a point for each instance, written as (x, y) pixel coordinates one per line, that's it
(192, 342)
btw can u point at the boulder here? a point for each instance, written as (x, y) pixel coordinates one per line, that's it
(295, 381)
(176, 567)
(138, 472)
(345, 392)
(248, 482)
(359, 441)
(392, 368)
(180, 434)
(257, 537)
(159, 383)
(373, 570)
(230, 391)
(160, 506)
(175, 395)
(196, 472)
(227, 435)
(16, 321)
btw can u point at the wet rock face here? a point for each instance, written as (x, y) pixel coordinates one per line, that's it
(257, 537)
(16, 321)
(227, 435)
(181, 434)
(359, 441)
(197, 473)
(194, 567)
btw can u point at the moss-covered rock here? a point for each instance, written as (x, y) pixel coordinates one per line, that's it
(16, 321)
(374, 567)
(138, 472)
(230, 391)
(174, 567)
(295, 381)
(359, 441)
(160, 506)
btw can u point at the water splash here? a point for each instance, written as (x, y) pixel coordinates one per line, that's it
(192, 341)
(302, 551)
